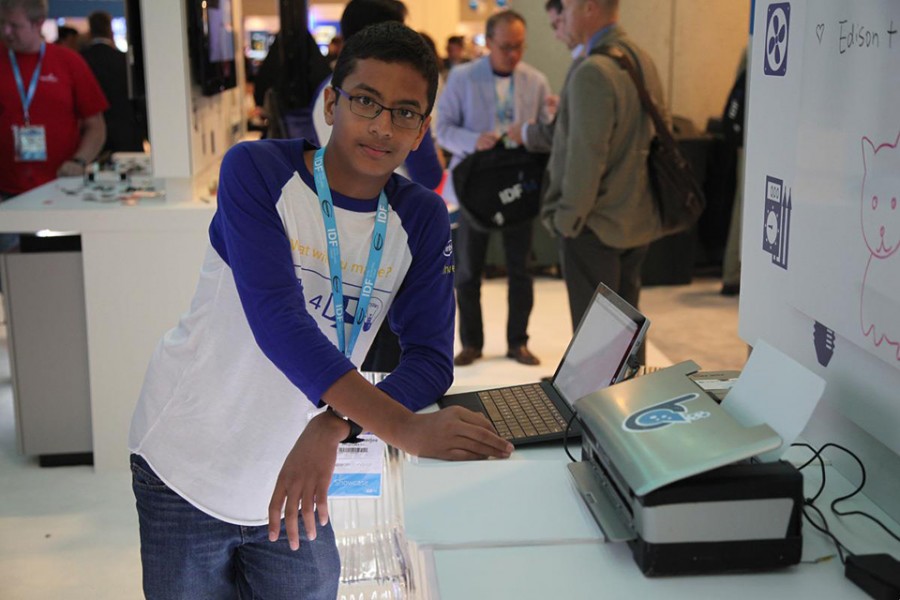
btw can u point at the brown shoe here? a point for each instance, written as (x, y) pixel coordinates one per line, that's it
(522, 354)
(467, 356)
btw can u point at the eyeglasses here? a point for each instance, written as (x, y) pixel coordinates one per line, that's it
(510, 48)
(367, 108)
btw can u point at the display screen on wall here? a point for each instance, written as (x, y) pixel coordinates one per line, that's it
(211, 34)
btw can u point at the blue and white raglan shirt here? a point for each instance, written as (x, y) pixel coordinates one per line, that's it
(230, 388)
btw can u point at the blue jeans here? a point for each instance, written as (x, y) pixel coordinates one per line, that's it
(187, 554)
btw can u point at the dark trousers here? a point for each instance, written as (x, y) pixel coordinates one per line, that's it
(587, 262)
(470, 246)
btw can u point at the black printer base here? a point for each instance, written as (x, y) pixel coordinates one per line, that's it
(695, 558)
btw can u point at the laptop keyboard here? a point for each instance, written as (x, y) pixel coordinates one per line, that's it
(522, 411)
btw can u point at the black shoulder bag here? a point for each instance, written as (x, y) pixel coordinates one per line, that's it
(677, 193)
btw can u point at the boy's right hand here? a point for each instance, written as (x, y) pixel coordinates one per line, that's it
(454, 433)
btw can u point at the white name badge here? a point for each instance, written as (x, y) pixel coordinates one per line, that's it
(31, 143)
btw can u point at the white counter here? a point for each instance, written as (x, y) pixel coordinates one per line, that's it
(141, 262)
(518, 529)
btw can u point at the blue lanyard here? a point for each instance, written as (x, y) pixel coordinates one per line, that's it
(506, 111)
(334, 256)
(27, 98)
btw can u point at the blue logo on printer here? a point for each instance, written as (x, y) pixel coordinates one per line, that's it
(670, 412)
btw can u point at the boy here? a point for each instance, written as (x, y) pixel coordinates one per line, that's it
(295, 240)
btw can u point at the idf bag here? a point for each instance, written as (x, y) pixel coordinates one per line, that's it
(500, 187)
(678, 195)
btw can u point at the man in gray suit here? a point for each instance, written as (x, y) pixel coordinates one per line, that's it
(598, 199)
(480, 100)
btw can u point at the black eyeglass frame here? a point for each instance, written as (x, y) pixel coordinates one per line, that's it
(381, 109)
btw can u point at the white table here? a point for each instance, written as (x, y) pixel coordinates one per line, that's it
(141, 264)
(517, 529)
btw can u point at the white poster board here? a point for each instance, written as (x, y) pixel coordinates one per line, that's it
(821, 230)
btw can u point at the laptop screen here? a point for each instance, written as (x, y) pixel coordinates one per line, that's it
(609, 333)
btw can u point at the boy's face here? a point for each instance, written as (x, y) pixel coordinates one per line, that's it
(375, 147)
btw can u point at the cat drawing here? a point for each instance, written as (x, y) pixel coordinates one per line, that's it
(880, 221)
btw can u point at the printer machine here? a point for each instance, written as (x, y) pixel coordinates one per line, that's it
(667, 470)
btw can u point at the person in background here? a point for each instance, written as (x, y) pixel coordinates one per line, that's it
(430, 43)
(537, 136)
(598, 200)
(68, 37)
(124, 132)
(51, 106)
(286, 97)
(733, 130)
(480, 101)
(456, 54)
(231, 456)
(334, 50)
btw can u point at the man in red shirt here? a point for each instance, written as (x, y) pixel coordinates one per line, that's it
(51, 106)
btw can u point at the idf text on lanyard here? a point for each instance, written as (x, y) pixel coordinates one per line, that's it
(334, 256)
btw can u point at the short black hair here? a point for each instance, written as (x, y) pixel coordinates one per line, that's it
(553, 5)
(64, 31)
(504, 16)
(389, 42)
(359, 14)
(100, 24)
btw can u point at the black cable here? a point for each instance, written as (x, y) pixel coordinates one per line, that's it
(566, 438)
(817, 454)
(862, 483)
(826, 530)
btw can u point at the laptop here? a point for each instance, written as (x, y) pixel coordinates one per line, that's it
(599, 354)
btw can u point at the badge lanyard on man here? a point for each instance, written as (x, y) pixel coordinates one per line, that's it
(334, 256)
(505, 110)
(30, 140)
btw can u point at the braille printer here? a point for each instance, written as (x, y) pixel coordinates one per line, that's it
(666, 469)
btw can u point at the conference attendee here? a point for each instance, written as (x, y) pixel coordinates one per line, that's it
(67, 37)
(231, 458)
(598, 200)
(480, 101)
(124, 131)
(51, 106)
(421, 165)
(537, 136)
(456, 54)
(286, 92)
(733, 131)
(334, 50)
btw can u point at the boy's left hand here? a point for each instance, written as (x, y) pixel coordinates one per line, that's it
(304, 479)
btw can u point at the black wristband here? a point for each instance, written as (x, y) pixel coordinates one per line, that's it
(355, 428)
(79, 161)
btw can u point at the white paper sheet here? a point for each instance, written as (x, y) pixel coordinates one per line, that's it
(777, 390)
